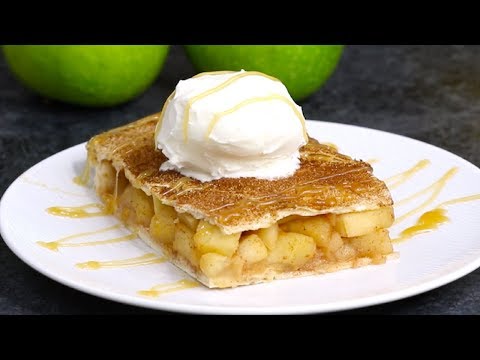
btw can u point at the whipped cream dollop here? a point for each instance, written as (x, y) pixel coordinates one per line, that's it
(230, 125)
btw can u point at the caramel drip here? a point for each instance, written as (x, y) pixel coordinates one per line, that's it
(319, 154)
(84, 177)
(429, 221)
(184, 185)
(81, 211)
(253, 100)
(65, 242)
(115, 194)
(120, 147)
(179, 184)
(397, 180)
(332, 145)
(307, 188)
(146, 173)
(432, 219)
(460, 200)
(146, 259)
(50, 188)
(435, 189)
(162, 289)
(322, 156)
(221, 86)
(187, 189)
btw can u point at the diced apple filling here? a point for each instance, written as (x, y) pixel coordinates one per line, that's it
(135, 207)
(362, 223)
(293, 249)
(184, 244)
(291, 243)
(252, 249)
(209, 238)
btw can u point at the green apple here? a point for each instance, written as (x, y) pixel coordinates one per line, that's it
(89, 75)
(302, 68)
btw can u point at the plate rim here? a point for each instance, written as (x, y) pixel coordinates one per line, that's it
(349, 304)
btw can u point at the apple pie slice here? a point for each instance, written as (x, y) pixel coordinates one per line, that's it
(332, 214)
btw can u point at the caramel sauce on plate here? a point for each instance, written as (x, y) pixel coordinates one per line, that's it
(162, 289)
(397, 180)
(434, 189)
(80, 211)
(107, 208)
(50, 188)
(432, 219)
(429, 221)
(146, 259)
(460, 200)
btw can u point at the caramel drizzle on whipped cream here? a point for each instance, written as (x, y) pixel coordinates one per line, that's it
(253, 100)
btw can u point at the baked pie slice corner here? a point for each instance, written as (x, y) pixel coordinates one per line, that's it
(332, 214)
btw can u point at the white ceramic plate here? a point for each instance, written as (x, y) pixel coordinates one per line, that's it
(426, 261)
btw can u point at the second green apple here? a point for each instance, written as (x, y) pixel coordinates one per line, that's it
(302, 68)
